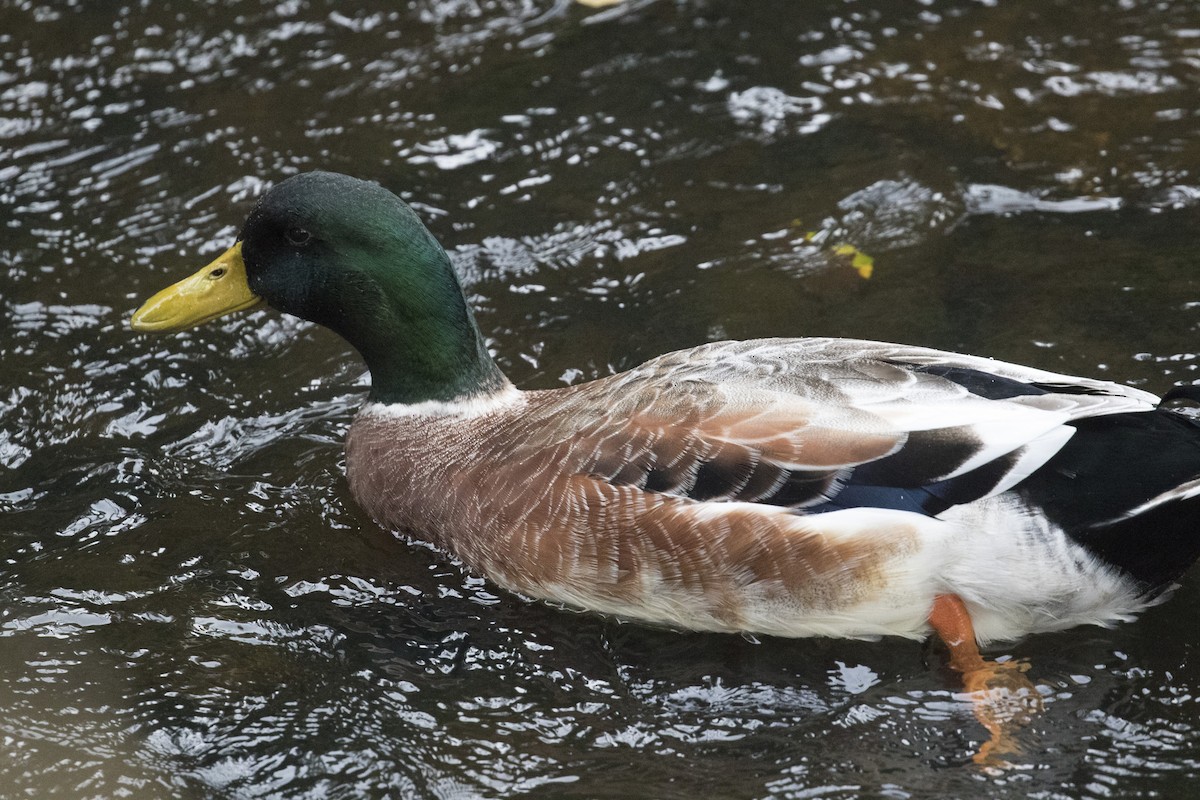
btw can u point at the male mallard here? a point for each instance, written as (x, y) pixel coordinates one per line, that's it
(793, 487)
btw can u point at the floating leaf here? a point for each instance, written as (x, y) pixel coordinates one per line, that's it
(862, 262)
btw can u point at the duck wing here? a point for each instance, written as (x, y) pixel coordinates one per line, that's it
(816, 425)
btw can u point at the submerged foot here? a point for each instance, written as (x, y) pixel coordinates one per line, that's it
(1004, 701)
(1002, 696)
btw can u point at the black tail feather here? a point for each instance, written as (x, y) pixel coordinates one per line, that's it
(1113, 465)
(1156, 547)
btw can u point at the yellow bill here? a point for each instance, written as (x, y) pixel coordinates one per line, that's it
(217, 290)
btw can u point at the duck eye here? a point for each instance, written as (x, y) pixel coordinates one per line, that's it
(297, 236)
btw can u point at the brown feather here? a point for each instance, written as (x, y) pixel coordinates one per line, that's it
(564, 497)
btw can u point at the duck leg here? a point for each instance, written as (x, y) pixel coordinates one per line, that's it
(1004, 699)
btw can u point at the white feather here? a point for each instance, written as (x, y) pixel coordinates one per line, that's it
(1019, 573)
(1184, 491)
(507, 398)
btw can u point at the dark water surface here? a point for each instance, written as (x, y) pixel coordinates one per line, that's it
(190, 603)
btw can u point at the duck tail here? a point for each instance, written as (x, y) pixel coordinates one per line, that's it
(1155, 542)
(1127, 488)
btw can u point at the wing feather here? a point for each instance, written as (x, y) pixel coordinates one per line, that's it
(816, 424)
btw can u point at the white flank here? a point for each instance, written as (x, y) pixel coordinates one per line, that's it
(1019, 573)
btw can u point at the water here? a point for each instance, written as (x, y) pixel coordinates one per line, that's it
(192, 606)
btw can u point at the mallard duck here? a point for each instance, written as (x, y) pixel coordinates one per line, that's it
(790, 487)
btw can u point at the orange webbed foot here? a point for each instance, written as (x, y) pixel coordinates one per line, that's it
(1003, 698)
(1004, 701)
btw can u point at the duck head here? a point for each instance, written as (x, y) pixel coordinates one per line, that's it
(351, 256)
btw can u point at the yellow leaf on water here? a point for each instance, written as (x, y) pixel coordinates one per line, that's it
(862, 262)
